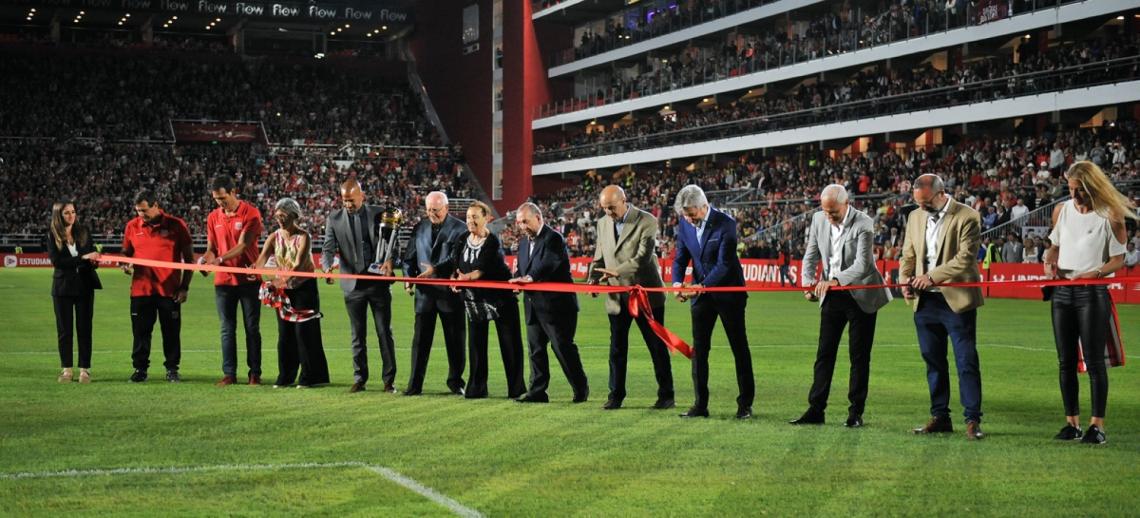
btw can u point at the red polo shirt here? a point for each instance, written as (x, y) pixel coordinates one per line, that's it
(225, 231)
(162, 240)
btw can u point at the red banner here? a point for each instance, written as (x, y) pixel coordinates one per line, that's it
(186, 131)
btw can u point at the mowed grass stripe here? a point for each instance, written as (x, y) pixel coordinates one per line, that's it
(503, 458)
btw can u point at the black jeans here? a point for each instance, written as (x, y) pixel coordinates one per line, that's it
(558, 331)
(619, 352)
(839, 309)
(377, 297)
(705, 311)
(299, 343)
(227, 298)
(422, 337)
(144, 311)
(1080, 319)
(508, 328)
(83, 309)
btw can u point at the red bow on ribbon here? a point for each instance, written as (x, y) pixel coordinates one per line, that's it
(638, 303)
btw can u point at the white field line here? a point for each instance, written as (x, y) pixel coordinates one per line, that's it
(387, 473)
(981, 345)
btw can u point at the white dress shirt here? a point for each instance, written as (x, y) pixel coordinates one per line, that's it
(835, 258)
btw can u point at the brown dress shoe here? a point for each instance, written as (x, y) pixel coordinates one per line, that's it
(225, 381)
(389, 388)
(356, 387)
(254, 380)
(974, 431)
(936, 424)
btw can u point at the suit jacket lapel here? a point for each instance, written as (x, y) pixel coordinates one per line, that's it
(348, 252)
(705, 233)
(920, 243)
(423, 243)
(951, 214)
(632, 219)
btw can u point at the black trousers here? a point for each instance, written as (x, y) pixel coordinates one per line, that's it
(510, 346)
(558, 331)
(1080, 319)
(377, 297)
(74, 312)
(144, 311)
(840, 309)
(705, 311)
(422, 338)
(619, 351)
(299, 344)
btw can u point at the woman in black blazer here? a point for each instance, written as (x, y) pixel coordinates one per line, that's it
(73, 286)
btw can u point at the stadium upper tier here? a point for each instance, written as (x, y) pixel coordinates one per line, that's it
(805, 42)
(1086, 73)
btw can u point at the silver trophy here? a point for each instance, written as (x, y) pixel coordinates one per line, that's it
(386, 235)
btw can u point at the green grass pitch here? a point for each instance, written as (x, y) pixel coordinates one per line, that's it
(241, 450)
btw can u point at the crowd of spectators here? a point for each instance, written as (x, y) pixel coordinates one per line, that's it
(1002, 177)
(809, 103)
(103, 179)
(845, 27)
(743, 52)
(118, 95)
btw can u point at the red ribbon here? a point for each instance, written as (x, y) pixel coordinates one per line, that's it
(638, 295)
(639, 304)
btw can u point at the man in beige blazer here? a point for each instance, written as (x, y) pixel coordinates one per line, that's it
(941, 246)
(625, 255)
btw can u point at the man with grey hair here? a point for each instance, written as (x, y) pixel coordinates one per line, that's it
(706, 238)
(350, 233)
(551, 317)
(428, 255)
(941, 246)
(840, 237)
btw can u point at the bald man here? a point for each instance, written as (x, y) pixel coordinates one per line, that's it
(428, 255)
(350, 234)
(840, 238)
(626, 255)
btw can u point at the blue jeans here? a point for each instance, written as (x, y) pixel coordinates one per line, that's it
(934, 321)
(226, 298)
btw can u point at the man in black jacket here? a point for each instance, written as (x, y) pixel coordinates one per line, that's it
(550, 316)
(428, 255)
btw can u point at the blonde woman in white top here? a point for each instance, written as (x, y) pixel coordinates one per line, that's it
(1087, 243)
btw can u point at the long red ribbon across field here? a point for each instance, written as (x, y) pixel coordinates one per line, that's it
(638, 295)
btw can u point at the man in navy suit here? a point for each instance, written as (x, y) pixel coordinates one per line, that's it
(706, 237)
(428, 255)
(550, 316)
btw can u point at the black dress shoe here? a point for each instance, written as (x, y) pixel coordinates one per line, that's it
(534, 398)
(744, 412)
(581, 398)
(696, 412)
(663, 404)
(413, 392)
(611, 404)
(475, 395)
(854, 421)
(936, 424)
(809, 417)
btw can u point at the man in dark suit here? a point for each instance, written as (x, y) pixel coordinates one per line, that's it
(626, 255)
(351, 233)
(706, 237)
(550, 316)
(429, 256)
(840, 237)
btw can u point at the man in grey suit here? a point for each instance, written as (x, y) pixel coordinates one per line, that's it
(351, 233)
(626, 255)
(840, 237)
(428, 255)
